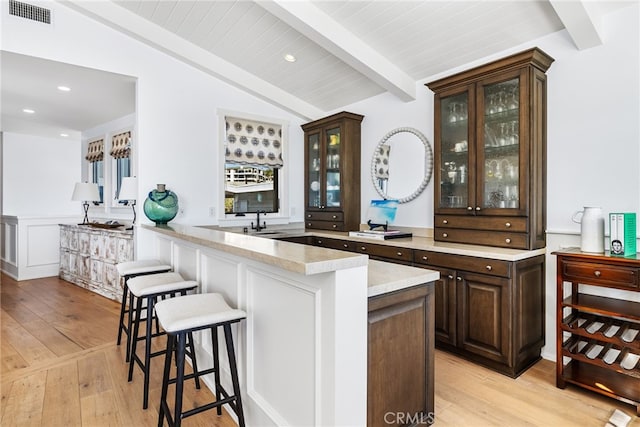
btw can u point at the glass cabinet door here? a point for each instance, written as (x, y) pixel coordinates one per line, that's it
(332, 184)
(499, 158)
(314, 171)
(454, 158)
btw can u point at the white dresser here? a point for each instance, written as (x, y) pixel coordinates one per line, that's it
(88, 257)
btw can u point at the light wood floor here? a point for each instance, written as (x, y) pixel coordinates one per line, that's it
(60, 367)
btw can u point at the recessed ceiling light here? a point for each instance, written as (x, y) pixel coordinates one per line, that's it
(28, 110)
(289, 57)
(64, 135)
(64, 88)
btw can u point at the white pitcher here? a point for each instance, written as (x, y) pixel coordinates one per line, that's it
(591, 223)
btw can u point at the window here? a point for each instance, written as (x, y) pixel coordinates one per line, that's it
(253, 166)
(121, 153)
(95, 156)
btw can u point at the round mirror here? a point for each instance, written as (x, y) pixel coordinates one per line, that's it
(402, 164)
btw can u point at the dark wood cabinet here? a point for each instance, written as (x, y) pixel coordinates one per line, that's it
(332, 172)
(487, 310)
(598, 337)
(490, 311)
(400, 358)
(490, 153)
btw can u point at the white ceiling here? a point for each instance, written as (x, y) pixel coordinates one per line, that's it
(95, 97)
(346, 50)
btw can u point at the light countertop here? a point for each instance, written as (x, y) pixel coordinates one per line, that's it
(382, 277)
(289, 256)
(419, 243)
(385, 277)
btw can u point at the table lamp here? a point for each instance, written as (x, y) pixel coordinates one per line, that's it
(129, 193)
(85, 192)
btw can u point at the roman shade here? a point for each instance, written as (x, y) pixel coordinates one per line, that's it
(249, 142)
(121, 145)
(95, 151)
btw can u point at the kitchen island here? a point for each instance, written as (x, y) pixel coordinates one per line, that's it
(302, 351)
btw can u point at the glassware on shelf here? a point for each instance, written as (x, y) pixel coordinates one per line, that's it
(513, 133)
(453, 112)
(491, 105)
(512, 102)
(502, 134)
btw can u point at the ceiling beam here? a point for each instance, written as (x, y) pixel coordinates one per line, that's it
(121, 19)
(579, 22)
(333, 37)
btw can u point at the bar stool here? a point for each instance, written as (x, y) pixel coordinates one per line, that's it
(148, 289)
(127, 270)
(180, 316)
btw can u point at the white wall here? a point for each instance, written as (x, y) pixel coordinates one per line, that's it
(176, 106)
(593, 134)
(39, 175)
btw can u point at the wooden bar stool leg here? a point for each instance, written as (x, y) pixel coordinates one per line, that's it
(171, 341)
(194, 362)
(216, 366)
(181, 336)
(147, 351)
(234, 373)
(136, 330)
(129, 326)
(125, 293)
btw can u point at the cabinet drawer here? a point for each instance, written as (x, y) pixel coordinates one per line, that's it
(325, 225)
(343, 245)
(383, 251)
(500, 223)
(481, 237)
(324, 216)
(600, 274)
(493, 267)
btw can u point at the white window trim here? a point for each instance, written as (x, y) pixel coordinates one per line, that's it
(231, 220)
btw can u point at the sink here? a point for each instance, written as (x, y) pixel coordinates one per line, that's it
(277, 232)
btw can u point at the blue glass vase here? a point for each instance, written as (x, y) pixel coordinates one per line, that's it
(161, 206)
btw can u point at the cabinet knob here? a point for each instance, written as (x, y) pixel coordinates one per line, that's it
(399, 253)
(308, 224)
(450, 276)
(335, 226)
(363, 248)
(477, 208)
(308, 215)
(319, 242)
(459, 279)
(345, 245)
(507, 240)
(508, 225)
(469, 208)
(489, 268)
(597, 273)
(445, 235)
(444, 221)
(424, 258)
(334, 216)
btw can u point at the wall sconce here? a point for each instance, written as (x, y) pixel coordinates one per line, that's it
(129, 193)
(85, 192)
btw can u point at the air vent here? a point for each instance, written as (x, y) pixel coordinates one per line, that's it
(29, 11)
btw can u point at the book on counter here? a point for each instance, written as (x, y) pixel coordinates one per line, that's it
(380, 235)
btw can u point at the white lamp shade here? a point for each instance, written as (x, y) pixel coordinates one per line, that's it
(86, 192)
(128, 188)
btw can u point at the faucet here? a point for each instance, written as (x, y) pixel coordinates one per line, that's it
(258, 227)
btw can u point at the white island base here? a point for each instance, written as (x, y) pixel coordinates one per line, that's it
(302, 351)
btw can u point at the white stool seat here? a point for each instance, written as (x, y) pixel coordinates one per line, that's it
(159, 283)
(141, 266)
(195, 311)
